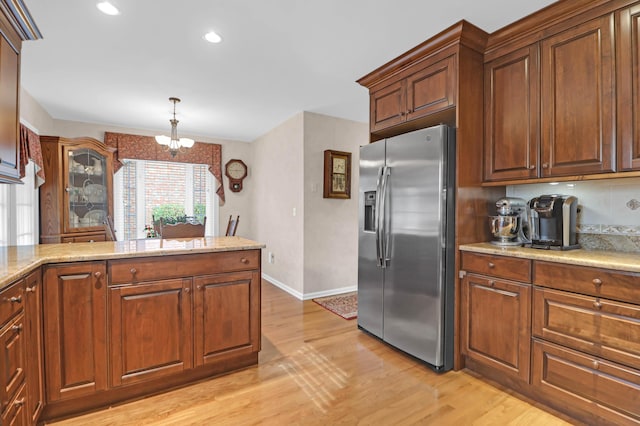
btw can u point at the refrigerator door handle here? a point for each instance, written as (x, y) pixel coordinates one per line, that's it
(379, 248)
(384, 233)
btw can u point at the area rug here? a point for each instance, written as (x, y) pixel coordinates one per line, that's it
(344, 305)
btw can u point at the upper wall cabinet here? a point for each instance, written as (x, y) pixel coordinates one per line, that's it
(16, 25)
(628, 93)
(578, 100)
(429, 90)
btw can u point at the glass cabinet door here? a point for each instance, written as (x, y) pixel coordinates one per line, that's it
(86, 192)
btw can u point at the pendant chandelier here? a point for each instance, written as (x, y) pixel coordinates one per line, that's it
(173, 143)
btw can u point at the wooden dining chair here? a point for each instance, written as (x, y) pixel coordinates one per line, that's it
(182, 230)
(232, 226)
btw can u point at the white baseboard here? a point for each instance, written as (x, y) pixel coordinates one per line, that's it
(308, 296)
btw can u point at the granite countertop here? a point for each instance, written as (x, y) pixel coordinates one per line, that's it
(595, 258)
(16, 261)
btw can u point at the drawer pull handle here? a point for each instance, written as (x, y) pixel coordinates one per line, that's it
(244, 260)
(19, 402)
(30, 289)
(17, 328)
(133, 271)
(597, 282)
(597, 305)
(16, 299)
(492, 265)
(596, 365)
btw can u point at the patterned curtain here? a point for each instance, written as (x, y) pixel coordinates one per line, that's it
(136, 147)
(30, 149)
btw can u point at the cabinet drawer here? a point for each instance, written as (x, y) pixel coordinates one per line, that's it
(85, 238)
(11, 302)
(611, 284)
(598, 326)
(127, 271)
(585, 384)
(12, 360)
(511, 268)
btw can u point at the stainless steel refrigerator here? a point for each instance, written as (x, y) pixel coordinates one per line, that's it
(406, 243)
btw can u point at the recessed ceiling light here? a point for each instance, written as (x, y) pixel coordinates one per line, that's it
(212, 37)
(107, 8)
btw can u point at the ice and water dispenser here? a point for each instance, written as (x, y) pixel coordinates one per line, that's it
(370, 211)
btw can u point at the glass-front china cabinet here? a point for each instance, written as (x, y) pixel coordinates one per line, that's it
(76, 198)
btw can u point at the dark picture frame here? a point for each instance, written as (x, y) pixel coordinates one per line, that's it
(337, 174)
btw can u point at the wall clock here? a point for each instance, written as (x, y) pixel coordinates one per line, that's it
(236, 171)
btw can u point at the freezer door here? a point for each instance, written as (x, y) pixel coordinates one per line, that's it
(414, 277)
(370, 275)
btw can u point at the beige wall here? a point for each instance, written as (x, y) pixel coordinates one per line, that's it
(278, 181)
(330, 225)
(236, 203)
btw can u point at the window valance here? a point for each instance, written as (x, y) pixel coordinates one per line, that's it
(137, 147)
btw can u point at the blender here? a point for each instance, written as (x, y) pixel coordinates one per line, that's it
(509, 226)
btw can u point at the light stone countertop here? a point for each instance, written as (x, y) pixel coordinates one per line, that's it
(595, 258)
(17, 261)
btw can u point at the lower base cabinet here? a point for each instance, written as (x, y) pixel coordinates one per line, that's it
(122, 329)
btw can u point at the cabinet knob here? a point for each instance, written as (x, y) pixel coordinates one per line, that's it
(30, 289)
(532, 167)
(68, 189)
(545, 165)
(597, 282)
(17, 328)
(187, 289)
(596, 364)
(492, 283)
(15, 299)
(133, 271)
(97, 275)
(597, 305)
(19, 402)
(492, 265)
(199, 287)
(244, 260)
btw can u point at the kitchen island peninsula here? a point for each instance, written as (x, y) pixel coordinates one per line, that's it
(113, 321)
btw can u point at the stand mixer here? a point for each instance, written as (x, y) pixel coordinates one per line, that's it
(510, 226)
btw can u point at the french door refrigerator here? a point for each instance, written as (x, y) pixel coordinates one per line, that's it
(406, 243)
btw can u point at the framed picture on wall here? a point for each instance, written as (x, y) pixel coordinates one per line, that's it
(337, 174)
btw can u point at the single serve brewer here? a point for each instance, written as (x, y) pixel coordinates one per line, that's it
(553, 222)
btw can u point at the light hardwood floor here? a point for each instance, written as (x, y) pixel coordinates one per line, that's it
(316, 368)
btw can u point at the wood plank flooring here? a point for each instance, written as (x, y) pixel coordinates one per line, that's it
(316, 368)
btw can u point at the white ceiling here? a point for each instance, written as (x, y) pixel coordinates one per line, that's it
(277, 58)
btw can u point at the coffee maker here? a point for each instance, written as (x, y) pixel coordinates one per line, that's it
(553, 222)
(509, 227)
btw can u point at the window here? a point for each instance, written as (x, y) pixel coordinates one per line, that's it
(140, 186)
(19, 211)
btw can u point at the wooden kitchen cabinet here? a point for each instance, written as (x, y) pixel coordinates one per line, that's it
(75, 324)
(578, 113)
(628, 89)
(226, 320)
(77, 195)
(429, 90)
(160, 342)
(34, 349)
(16, 413)
(512, 117)
(12, 345)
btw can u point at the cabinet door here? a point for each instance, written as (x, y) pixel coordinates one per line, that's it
(35, 368)
(496, 324)
(75, 330)
(227, 315)
(9, 88)
(388, 106)
(578, 89)
(151, 331)
(13, 361)
(511, 143)
(628, 93)
(432, 89)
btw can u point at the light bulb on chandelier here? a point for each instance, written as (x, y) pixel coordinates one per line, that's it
(173, 143)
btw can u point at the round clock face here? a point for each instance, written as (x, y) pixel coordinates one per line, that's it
(236, 170)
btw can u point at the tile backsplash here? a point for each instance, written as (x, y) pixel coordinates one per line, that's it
(609, 210)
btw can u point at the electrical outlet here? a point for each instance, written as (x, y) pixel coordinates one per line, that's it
(272, 258)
